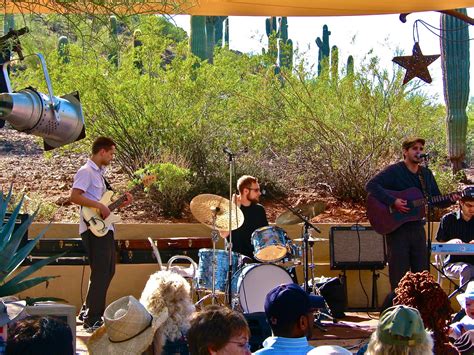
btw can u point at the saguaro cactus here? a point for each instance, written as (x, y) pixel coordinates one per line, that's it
(271, 29)
(350, 66)
(197, 37)
(323, 52)
(63, 49)
(113, 55)
(334, 64)
(137, 44)
(285, 52)
(455, 68)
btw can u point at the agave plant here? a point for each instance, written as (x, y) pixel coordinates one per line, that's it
(11, 257)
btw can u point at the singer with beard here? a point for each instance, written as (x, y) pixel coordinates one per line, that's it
(407, 249)
(254, 215)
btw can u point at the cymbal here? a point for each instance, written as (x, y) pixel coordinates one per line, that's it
(308, 210)
(311, 239)
(203, 207)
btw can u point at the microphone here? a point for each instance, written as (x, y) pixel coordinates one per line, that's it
(423, 155)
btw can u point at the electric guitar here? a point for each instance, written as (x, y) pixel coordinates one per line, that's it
(93, 218)
(385, 219)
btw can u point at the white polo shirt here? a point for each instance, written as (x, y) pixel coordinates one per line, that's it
(89, 178)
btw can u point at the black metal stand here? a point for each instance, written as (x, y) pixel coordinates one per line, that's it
(228, 293)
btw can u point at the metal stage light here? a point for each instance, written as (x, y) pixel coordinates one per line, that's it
(59, 120)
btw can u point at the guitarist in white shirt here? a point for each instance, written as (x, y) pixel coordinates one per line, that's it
(88, 188)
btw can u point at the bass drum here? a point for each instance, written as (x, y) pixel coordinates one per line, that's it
(253, 282)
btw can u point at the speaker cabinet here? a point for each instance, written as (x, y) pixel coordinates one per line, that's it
(356, 248)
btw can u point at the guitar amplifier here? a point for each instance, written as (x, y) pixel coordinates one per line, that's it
(356, 248)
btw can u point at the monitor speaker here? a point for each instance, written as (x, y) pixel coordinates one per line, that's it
(356, 248)
(259, 329)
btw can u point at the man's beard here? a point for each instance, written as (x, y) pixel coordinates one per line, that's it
(254, 200)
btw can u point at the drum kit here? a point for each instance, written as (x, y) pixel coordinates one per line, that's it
(245, 284)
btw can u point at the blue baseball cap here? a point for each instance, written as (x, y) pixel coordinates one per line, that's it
(288, 302)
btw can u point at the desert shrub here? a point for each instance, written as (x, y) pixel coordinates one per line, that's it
(171, 188)
(301, 130)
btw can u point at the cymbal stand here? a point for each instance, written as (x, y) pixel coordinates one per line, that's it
(215, 238)
(316, 291)
(228, 293)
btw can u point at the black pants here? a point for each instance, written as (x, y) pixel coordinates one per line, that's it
(101, 252)
(407, 251)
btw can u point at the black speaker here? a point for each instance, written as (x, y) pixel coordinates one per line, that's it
(356, 248)
(259, 329)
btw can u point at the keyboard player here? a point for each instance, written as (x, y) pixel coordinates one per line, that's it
(458, 227)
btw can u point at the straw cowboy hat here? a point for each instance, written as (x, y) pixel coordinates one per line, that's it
(128, 328)
(10, 310)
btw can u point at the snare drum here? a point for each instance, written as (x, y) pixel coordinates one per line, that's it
(252, 283)
(269, 244)
(204, 272)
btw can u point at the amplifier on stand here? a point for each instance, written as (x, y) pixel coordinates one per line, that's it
(358, 248)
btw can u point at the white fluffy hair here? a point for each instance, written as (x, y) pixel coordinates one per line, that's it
(376, 347)
(174, 291)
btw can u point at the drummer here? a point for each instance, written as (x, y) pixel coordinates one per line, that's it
(254, 215)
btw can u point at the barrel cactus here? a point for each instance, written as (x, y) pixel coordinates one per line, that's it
(455, 68)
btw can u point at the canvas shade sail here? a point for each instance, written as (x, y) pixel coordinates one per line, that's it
(234, 7)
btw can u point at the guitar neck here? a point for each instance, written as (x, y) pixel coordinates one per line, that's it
(434, 199)
(118, 202)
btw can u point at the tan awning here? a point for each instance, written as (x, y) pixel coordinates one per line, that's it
(235, 7)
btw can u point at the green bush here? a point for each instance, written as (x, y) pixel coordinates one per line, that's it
(171, 188)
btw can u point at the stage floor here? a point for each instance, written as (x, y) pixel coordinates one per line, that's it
(350, 332)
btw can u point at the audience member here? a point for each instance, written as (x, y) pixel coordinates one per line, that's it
(290, 313)
(39, 336)
(466, 300)
(329, 350)
(400, 331)
(128, 329)
(218, 330)
(421, 291)
(465, 343)
(172, 290)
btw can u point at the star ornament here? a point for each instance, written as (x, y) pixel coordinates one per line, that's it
(416, 64)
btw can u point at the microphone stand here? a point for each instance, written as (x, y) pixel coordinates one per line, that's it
(429, 219)
(306, 227)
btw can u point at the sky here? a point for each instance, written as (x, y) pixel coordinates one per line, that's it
(356, 36)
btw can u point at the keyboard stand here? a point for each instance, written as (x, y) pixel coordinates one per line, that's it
(456, 286)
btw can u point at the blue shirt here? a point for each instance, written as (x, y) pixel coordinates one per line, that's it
(280, 345)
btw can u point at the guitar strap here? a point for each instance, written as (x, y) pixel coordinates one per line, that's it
(108, 187)
(423, 182)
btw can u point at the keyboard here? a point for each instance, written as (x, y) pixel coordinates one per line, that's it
(455, 249)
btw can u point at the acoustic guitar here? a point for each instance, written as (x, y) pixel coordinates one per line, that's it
(385, 219)
(93, 218)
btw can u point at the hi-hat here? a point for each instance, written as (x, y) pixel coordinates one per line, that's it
(204, 206)
(308, 210)
(311, 239)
